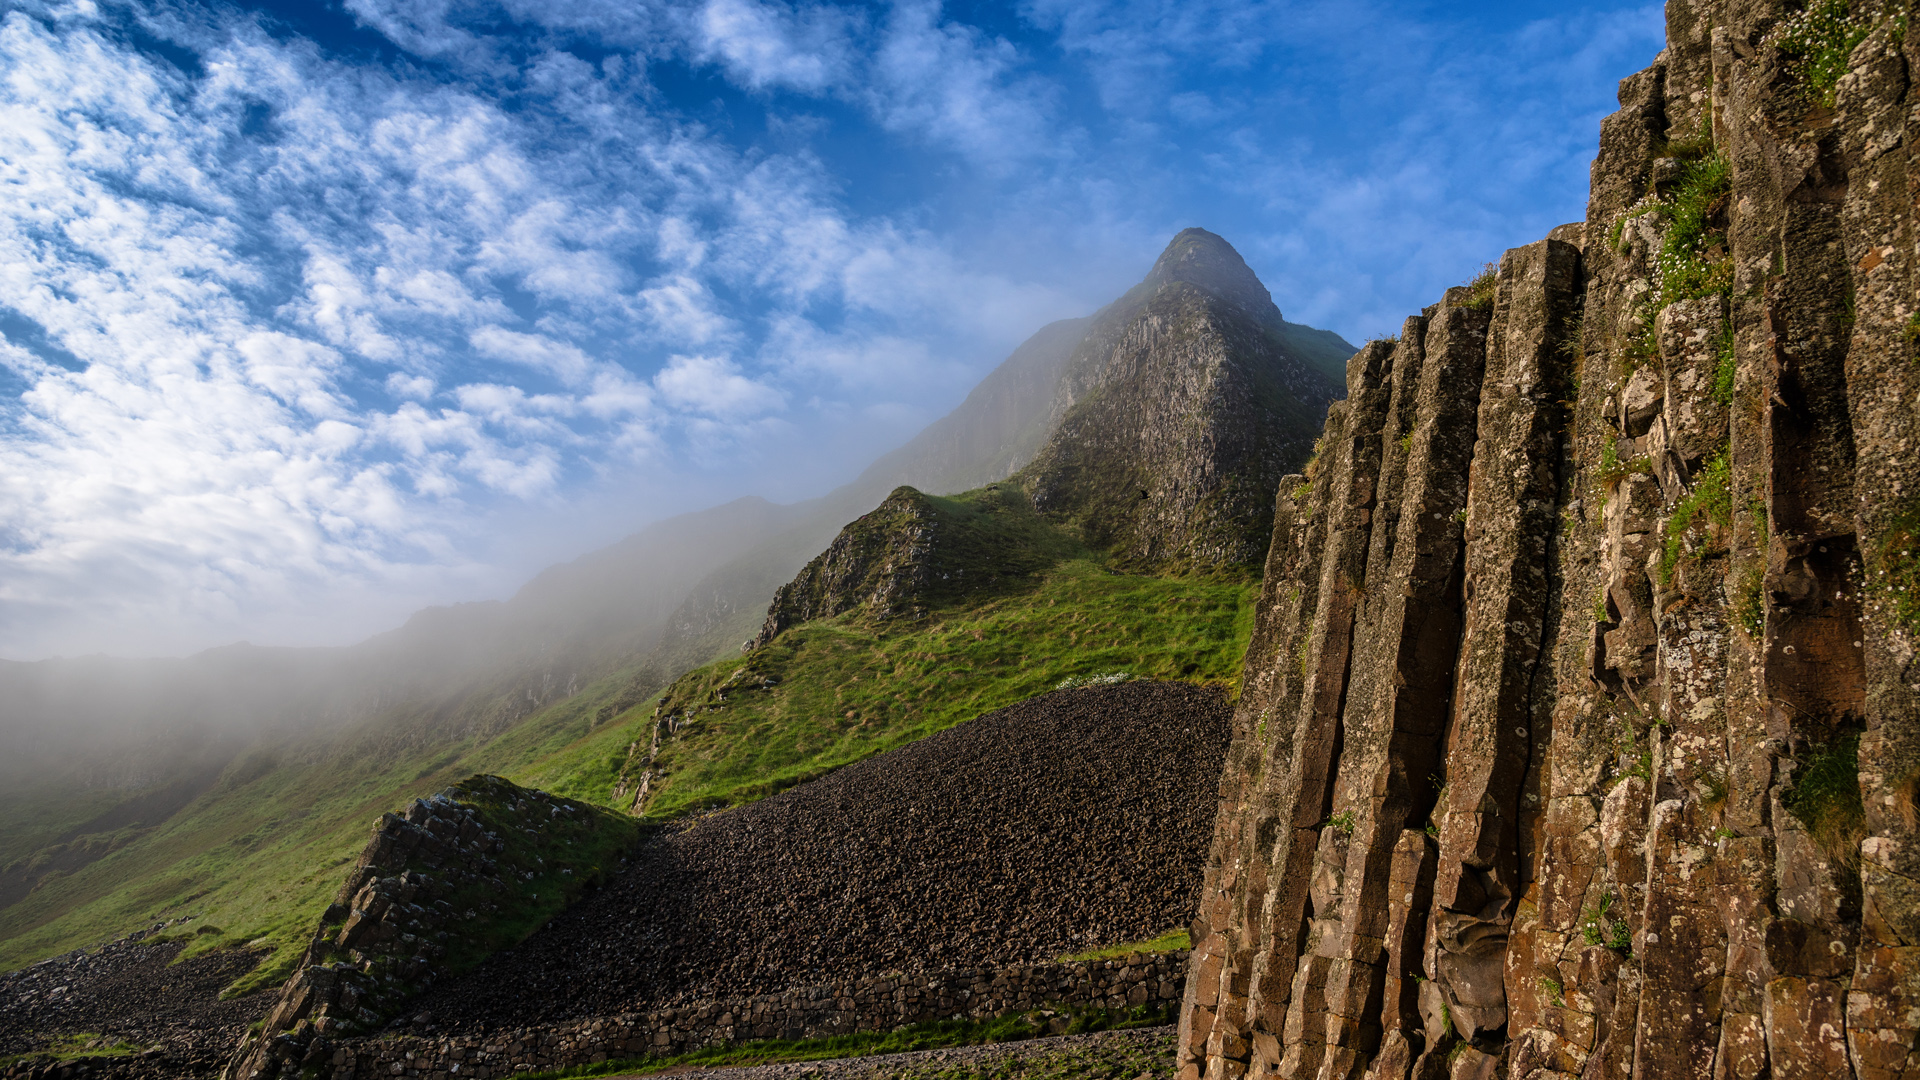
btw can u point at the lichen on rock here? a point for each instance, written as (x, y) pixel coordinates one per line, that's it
(1655, 696)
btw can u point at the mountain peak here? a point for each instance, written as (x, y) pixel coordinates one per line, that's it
(1205, 259)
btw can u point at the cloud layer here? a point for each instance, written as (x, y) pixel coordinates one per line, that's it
(310, 317)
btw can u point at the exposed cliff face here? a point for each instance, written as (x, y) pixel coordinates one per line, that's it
(1580, 734)
(1178, 413)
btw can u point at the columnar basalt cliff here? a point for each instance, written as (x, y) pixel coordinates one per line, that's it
(1579, 732)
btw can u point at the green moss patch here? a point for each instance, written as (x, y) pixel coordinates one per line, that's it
(1172, 941)
(71, 1047)
(1825, 797)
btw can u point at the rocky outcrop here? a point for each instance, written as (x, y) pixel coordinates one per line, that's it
(915, 552)
(1178, 414)
(1580, 732)
(455, 878)
(882, 562)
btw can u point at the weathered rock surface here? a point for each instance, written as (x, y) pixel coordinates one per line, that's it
(915, 552)
(1139, 988)
(1178, 413)
(1580, 735)
(1074, 819)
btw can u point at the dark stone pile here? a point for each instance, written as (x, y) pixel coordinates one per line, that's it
(1074, 819)
(133, 994)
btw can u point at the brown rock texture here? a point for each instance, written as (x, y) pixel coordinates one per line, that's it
(1579, 734)
(1184, 404)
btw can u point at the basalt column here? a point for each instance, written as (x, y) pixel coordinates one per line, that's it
(1580, 734)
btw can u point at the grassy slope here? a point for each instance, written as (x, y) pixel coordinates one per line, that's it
(260, 855)
(845, 688)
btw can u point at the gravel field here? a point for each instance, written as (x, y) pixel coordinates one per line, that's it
(132, 992)
(1076, 818)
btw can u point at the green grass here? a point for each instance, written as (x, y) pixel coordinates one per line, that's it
(80, 1045)
(1555, 992)
(834, 691)
(1893, 575)
(1825, 797)
(1818, 41)
(1711, 500)
(1683, 267)
(1726, 364)
(927, 1036)
(1600, 926)
(1172, 941)
(1482, 286)
(1613, 469)
(263, 852)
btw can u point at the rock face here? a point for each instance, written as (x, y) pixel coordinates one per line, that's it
(1178, 413)
(1170, 421)
(915, 551)
(454, 878)
(1580, 734)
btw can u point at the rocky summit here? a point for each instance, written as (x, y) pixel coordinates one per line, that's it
(1580, 734)
(1178, 413)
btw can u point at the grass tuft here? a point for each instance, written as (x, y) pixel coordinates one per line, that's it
(1819, 40)
(1172, 941)
(1711, 500)
(1825, 797)
(1482, 286)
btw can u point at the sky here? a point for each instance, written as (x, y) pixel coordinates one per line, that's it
(313, 313)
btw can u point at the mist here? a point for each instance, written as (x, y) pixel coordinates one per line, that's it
(321, 317)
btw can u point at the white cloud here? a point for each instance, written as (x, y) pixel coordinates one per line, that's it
(713, 385)
(953, 86)
(763, 45)
(556, 358)
(285, 324)
(682, 310)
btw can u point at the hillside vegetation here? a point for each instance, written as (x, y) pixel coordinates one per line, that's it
(1046, 612)
(256, 857)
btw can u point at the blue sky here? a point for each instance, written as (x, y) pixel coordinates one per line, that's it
(314, 313)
